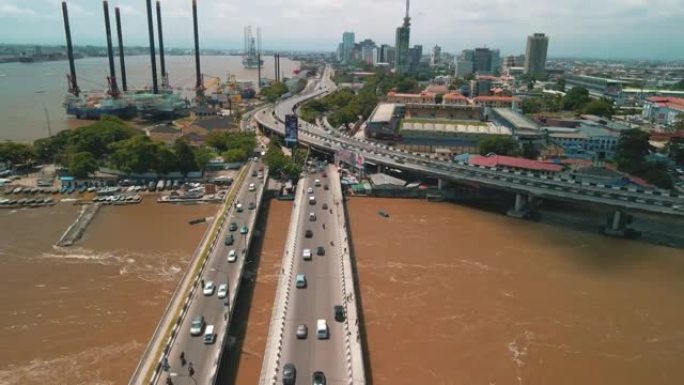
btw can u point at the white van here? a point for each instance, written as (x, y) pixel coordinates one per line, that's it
(209, 335)
(322, 330)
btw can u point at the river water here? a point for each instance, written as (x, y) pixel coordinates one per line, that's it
(84, 315)
(28, 89)
(454, 295)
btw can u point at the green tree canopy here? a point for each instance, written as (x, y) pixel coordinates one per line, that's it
(274, 91)
(599, 107)
(235, 155)
(184, 156)
(82, 164)
(632, 148)
(576, 99)
(500, 145)
(137, 154)
(16, 153)
(202, 156)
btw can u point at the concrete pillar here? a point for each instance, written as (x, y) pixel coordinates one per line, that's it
(520, 202)
(617, 220)
(440, 184)
(522, 206)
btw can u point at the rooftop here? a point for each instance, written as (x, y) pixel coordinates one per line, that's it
(455, 127)
(494, 98)
(668, 101)
(516, 119)
(384, 179)
(455, 96)
(383, 112)
(509, 161)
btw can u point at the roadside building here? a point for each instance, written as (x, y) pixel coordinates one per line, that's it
(597, 87)
(382, 123)
(663, 110)
(454, 99)
(496, 101)
(587, 140)
(404, 98)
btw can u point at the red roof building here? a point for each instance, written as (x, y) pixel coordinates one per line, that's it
(422, 98)
(514, 163)
(496, 101)
(454, 99)
(663, 109)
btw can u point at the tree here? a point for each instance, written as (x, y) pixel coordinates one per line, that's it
(235, 155)
(456, 84)
(575, 99)
(560, 85)
(273, 91)
(500, 145)
(676, 150)
(166, 160)
(530, 151)
(137, 154)
(82, 164)
(439, 98)
(679, 124)
(407, 85)
(632, 148)
(599, 107)
(531, 105)
(185, 157)
(202, 156)
(16, 153)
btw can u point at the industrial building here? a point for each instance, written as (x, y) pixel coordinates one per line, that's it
(597, 87)
(663, 110)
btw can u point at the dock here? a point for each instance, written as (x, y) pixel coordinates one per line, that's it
(76, 230)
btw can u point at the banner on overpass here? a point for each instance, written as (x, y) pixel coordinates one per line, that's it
(291, 130)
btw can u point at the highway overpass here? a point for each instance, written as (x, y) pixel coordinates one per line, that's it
(161, 363)
(328, 283)
(528, 186)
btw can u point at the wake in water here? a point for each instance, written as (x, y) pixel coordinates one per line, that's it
(150, 268)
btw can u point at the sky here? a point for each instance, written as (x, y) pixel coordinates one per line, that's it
(613, 29)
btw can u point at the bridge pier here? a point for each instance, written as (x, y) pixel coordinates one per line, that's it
(440, 184)
(523, 206)
(617, 225)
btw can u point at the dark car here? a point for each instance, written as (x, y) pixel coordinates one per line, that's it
(233, 226)
(325, 187)
(289, 374)
(325, 206)
(320, 250)
(251, 206)
(254, 173)
(228, 240)
(339, 313)
(308, 234)
(324, 175)
(318, 378)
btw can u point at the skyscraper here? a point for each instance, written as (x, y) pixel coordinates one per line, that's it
(402, 64)
(535, 55)
(436, 54)
(347, 46)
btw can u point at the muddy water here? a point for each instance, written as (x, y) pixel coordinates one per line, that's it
(253, 312)
(453, 295)
(85, 314)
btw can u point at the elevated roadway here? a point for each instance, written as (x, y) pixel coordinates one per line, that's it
(169, 368)
(531, 185)
(328, 283)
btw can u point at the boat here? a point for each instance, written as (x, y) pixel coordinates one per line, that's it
(252, 58)
(96, 107)
(197, 220)
(383, 214)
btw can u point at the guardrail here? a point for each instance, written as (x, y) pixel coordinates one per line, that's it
(276, 330)
(352, 337)
(201, 253)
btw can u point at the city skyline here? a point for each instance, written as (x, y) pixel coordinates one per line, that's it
(614, 29)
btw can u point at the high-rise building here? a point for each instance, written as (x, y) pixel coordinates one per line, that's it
(436, 54)
(402, 64)
(368, 51)
(386, 54)
(535, 55)
(415, 54)
(347, 46)
(463, 68)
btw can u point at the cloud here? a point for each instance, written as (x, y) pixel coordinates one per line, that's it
(590, 26)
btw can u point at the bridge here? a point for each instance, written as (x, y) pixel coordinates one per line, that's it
(316, 277)
(529, 187)
(161, 362)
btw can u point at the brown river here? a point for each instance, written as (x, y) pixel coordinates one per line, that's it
(451, 295)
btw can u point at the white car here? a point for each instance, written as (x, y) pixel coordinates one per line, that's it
(252, 187)
(209, 288)
(222, 291)
(317, 182)
(306, 254)
(309, 190)
(232, 256)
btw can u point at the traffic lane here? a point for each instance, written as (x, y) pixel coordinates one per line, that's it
(210, 307)
(313, 303)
